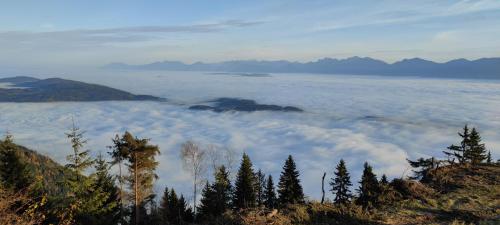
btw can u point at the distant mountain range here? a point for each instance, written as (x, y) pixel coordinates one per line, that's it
(485, 68)
(29, 89)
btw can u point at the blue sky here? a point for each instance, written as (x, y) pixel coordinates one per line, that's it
(93, 33)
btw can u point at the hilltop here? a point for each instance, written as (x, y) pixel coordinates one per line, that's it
(29, 89)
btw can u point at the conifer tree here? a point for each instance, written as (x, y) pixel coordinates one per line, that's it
(260, 186)
(141, 166)
(341, 183)
(164, 208)
(289, 188)
(369, 189)
(422, 167)
(119, 153)
(458, 151)
(488, 158)
(182, 207)
(206, 207)
(175, 216)
(476, 152)
(383, 180)
(222, 191)
(244, 193)
(80, 160)
(14, 173)
(84, 198)
(109, 212)
(270, 194)
(188, 215)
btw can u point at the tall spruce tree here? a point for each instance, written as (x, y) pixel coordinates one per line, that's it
(476, 152)
(270, 199)
(458, 151)
(222, 190)
(164, 208)
(141, 166)
(79, 161)
(109, 212)
(244, 193)
(175, 214)
(84, 199)
(289, 188)
(260, 186)
(341, 183)
(369, 189)
(14, 173)
(206, 207)
(182, 208)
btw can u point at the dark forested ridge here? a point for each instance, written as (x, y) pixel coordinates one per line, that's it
(484, 68)
(462, 188)
(28, 89)
(243, 105)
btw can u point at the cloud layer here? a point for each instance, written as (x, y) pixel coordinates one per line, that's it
(380, 120)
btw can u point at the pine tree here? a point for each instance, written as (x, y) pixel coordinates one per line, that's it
(244, 194)
(384, 181)
(182, 208)
(14, 173)
(79, 161)
(260, 185)
(141, 167)
(188, 215)
(476, 152)
(222, 191)
(422, 167)
(175, 216)
(164, 208)
(206, 207)
(84, 198)
(341, 183)
(270, 194)
(369, 189)
(488, 158)
(109, 212)
(289, 188)
(458, 151)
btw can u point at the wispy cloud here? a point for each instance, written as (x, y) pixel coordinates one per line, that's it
(409, 13)
(119, 34)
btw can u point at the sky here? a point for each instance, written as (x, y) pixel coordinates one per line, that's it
(55, 34)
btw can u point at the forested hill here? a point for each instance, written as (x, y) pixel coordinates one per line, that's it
(29, 89)
(43, 168)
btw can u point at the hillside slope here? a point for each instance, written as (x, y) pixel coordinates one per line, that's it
(28, 89)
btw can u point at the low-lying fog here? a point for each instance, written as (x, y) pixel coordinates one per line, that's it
(382, 120)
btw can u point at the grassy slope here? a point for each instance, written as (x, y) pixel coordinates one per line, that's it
(462, 194)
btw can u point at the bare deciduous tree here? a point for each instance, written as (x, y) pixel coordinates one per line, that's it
(194, 161)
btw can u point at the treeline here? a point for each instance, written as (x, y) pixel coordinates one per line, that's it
(127, 197)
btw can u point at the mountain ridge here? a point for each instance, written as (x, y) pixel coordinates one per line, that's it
(484, 68)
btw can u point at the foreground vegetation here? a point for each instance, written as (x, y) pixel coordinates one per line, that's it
(461, 189)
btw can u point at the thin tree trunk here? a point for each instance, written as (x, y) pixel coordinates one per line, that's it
(120, 179)
(323, 188)
(194, 197)
(135, 190)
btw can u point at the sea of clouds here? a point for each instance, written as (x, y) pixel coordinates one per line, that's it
(382, 120)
